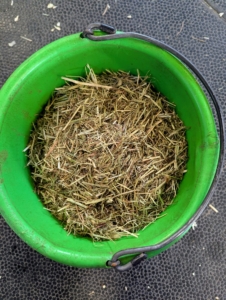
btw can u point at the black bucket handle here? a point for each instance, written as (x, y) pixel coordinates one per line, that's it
(141, 251)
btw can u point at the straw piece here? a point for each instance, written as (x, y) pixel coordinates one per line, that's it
(213, 208)
(86, 83)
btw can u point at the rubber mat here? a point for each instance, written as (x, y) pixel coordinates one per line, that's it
(195, 267)
(219, 4)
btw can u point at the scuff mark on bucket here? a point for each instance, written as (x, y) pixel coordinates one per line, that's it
(3, 157)
(26, 114)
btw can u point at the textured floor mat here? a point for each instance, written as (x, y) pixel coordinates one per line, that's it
(194, 268)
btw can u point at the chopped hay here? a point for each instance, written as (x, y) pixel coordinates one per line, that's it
(107, 154)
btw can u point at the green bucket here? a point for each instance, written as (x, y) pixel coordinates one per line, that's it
(22, 98)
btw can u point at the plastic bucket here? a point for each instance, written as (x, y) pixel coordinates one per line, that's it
(21, 99)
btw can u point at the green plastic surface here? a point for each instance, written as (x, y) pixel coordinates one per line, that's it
(22, 98)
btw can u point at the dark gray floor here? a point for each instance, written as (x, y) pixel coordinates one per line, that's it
(220, 4)
(194, 268)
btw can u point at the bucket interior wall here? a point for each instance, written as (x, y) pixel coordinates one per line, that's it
(23, 97)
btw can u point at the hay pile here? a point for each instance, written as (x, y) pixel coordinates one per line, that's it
(107, 155)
